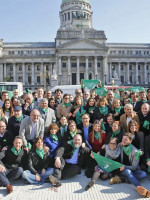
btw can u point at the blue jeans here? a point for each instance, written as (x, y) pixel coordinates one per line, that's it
(10, 174)
(31, 177)
(134, 176)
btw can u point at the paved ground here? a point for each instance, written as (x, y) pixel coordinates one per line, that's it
(73, 189)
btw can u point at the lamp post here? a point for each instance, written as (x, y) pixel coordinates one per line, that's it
(45, 75)
(112, 82)
(105, 79)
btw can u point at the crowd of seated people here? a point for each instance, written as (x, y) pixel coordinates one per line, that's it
(46, 137)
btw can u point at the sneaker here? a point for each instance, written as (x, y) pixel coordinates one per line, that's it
(89, 185)
(115, 179)
(54, 181)
(143, 191)
(9, 188)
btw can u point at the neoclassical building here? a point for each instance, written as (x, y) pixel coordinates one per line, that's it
(79, 52)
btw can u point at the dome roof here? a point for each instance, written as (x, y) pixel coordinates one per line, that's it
(65, 1)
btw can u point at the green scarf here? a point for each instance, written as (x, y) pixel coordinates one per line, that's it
(54, 137)
(67, 104)
(138, 154)
(7, 110)
(15, 151)
(96, 135)
(117, 110)
(103, 110)
(127, 150)
(114, 134)
(79, 115)
(40, 152)
(148, 169)
(19, 118)
(146, 125)
(63, 128)
(144, 101)
(72, 144)
(72, 133)
(0, 117)
(28, 145)
(90, 110)
(44, 110)
(103, 126)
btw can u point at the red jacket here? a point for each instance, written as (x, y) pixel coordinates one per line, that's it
(96, 145)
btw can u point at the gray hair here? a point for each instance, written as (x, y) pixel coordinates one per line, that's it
(128, 106)
(44, 100)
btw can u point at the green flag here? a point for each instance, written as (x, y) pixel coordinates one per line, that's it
(90, 84)
(2, 88)
(116, 95)
(10, 94)
(106, 164)
(101, 91)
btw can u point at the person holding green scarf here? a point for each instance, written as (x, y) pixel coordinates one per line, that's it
(63, 125)
(47, 114)
(115, 133)
(38, 164)
(117, 109)
(14, 122)
(65, 107)
(130, 160)
(144, 116)
(102, 110)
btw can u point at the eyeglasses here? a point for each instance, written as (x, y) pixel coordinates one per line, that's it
(67, 98)
(113, 144)
(85, 118)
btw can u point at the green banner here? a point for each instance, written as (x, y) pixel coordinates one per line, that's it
(116, 95)
(106, 164)
(101, 91)
(90, 84)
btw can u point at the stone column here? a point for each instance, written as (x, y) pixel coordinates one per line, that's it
(69, 69)
(136, 74)
(60, 69)
(33, 73)
(1, 72)
(50, 74)
(104, 69)
(5, 71)
(14, 72)
(110, 71)
(127, 78)
(23, 73)
(145, 74)
(87, 67)
(95, 67)
(42, 73)
(78, 71)
(119, 66)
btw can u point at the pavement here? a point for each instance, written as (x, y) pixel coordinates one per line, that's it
(73, 189)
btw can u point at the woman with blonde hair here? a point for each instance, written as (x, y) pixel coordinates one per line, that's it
(117, 109)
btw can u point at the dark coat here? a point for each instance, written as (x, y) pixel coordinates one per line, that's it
(5, 140)
(142, 119)
(147, 147)
(138, 140)
(119, 136)
(97, 115)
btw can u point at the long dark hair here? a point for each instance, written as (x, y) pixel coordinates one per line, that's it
(36, 140)
(10, 109)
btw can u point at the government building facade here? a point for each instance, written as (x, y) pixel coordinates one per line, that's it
(79, 52)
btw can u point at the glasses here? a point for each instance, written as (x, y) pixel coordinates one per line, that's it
(85, 118)
(114, 144)
(67, 98)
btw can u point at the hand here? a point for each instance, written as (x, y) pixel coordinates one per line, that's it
(46, 149)
(2, 168)
(4, 148)
(98, 152)
(148, 163)
(37, 177)
(104, 146)
(76, 110)
(58, 162)
(101, 120)
(102, 131)
(122, 168)
(92, 155)
(69, 114)
(26, 105)
(116, 114)
(83, 145)
(43, 171)
(26, 148)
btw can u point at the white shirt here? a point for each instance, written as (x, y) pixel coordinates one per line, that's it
(34, 129)
(128, 120)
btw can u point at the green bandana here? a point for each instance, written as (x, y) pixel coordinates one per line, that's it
(103, 110)
(28, 145)
(138, 154)
(144, 101)
(79, 115)
(72, 144)
(67, 104)
(63, 129)
(15, 151)
(114, 134)
(148, 169)
(72, 133)
(0, 117)
(146, 125)
(127, 150)
(4, 140)
(117, 110)
(90, 110)
(96, 135)
(103, 126)
(44, 110)
(19, 118)
(54, 137)
(7, 110)
(40, 152)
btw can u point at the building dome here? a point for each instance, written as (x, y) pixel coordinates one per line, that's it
(85, 1)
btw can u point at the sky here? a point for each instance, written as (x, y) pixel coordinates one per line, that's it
(124, 21)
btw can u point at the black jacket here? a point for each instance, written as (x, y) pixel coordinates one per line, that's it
(138, 140)
(36, 163)
(147, 147)
(119, 136)
(97, 115)
(11, 161)
(66, 152)
(5, 140)
(142, 119)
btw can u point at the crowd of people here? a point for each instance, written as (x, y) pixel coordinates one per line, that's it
(50, 137)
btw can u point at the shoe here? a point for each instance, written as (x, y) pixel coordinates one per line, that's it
(54, 181)
(143, 191)
(115, 179)
(9, 188)
(89, 185)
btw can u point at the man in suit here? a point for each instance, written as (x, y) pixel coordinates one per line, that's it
(47, 114)
(128, 116)
(31, 127)
(29, 105)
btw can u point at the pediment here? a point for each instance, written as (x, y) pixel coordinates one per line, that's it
(82, 44)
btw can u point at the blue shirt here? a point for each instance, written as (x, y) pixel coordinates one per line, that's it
(74, 158)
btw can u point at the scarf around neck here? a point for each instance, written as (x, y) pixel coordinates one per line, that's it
(127, 150)
(72, 144)
(113, 154)
(103, 110)
(114, 134)
(54, 137)
(19, 118)
(15, 152)
(40, 152)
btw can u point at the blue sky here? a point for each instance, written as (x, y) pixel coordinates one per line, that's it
(38, 20)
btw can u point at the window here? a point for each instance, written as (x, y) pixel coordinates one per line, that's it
(20, 78)
(130, 67)
(90, 65)
(38, 67)
(122, 67)
(29, 79)
(139, 67)
(20, 52)
(68, 15)
(38, 52)
(29, 52)
(122, 79)
(11, 53)
(119, 52)
(73, 64)
(82, 65)
(113, 67)
(147, 67)
(64, 65)
(98, 65)
(20, 68)
(38, 79)
(47, 67)
(29, 67)
(47, 80)
(11, 68)
(130, 79)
